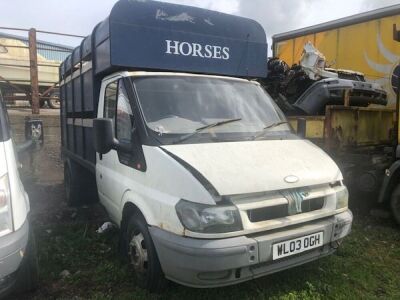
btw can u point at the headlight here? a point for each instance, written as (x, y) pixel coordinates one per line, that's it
(209, 219)
(5, 207)
(342, 198)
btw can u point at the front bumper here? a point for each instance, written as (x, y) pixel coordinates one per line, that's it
(12, 251)
(215, 263)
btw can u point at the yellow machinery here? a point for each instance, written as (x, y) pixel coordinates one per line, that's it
(345, 128)
(359, 139)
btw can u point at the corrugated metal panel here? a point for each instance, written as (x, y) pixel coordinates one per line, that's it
(347, 21)
(48, 51)
(49, 54)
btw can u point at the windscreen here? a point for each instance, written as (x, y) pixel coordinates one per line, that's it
(208, 108)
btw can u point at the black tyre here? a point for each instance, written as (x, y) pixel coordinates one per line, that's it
(28, 274)
(54, 102)
(395, 204)
(142, 255)
(80, 184)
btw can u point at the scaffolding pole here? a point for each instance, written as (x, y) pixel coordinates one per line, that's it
(34, 72)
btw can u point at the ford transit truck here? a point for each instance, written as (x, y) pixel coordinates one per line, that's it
(163, 120)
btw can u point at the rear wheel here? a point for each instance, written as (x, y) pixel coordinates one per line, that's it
(80, 184)
(142, 255)
(54, 101)
(395, 204)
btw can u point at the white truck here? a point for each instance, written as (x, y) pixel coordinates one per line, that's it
(18, 261)
(190, 157)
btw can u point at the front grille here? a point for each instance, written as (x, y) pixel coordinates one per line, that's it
(282, 211)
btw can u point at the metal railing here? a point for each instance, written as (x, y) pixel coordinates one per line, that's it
(33, 94)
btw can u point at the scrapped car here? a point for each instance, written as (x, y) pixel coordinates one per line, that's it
(308, 87)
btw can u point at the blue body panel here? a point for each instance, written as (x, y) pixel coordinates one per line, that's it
(153, 36)
(139, 31)
(135, 37)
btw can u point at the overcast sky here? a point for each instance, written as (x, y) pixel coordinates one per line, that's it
(80, 16)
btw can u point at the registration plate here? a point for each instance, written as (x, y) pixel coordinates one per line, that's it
(299, 245)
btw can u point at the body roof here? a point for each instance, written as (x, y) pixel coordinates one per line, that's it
(148, 35)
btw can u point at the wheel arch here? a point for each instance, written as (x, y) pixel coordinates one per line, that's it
(132, 203)
(128, 210)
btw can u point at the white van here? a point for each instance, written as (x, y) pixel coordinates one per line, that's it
(190, 157)
(218, 201)
(18, 262)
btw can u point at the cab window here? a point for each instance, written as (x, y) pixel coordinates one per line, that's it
(110, 101)
(118, 108)
(124, 116)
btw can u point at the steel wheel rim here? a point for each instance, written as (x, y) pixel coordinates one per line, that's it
(138, 254)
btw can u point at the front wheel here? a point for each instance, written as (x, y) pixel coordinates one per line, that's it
(142, 255)
(395, 204)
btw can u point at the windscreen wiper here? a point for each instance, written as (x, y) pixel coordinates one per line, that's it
(276, 125)
(209, 126)
(273, 125)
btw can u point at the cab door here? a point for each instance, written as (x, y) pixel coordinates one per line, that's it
(114, 169)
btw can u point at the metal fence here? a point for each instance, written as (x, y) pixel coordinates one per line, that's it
(54, 53)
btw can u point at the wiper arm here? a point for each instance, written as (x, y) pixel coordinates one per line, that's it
(276, 125)
(273, 125)
(209, 126)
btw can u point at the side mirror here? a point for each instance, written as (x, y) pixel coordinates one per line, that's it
(104, 139)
